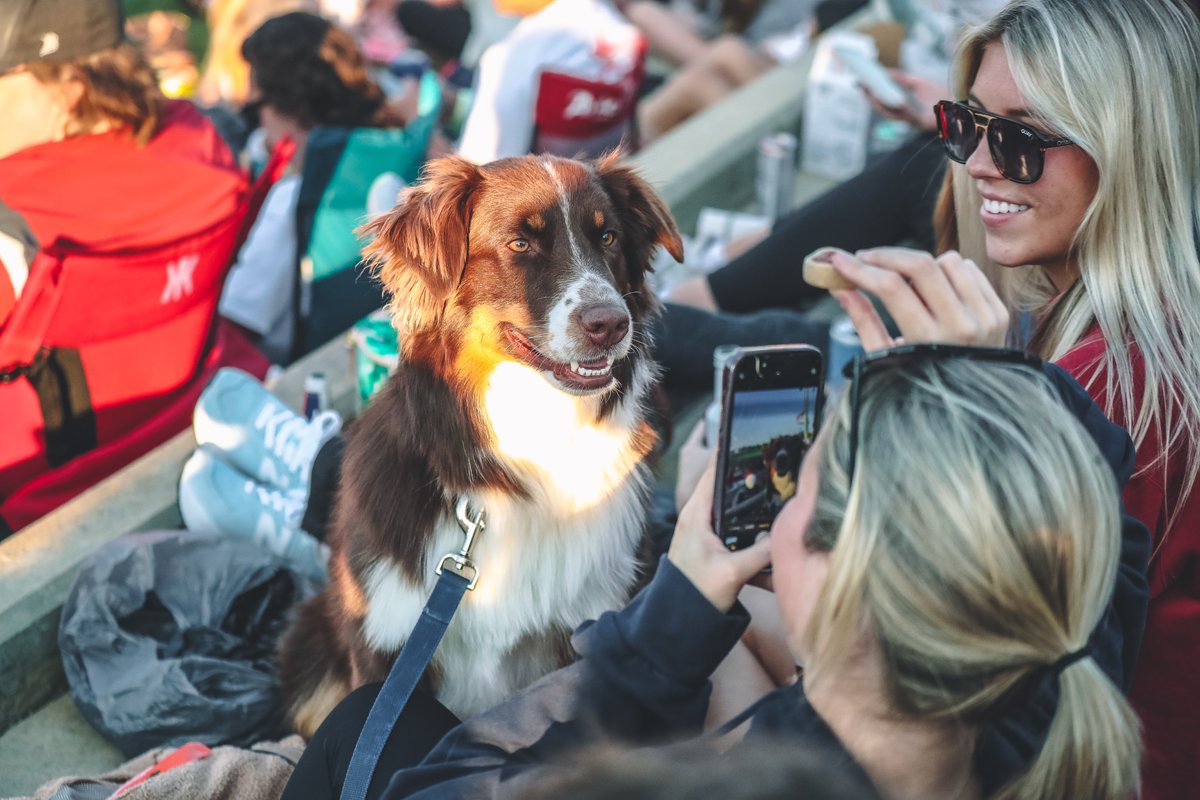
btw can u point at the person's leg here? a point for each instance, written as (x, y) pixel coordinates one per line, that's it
(322, 769)
(732, 57)
(738, 682)
(670, 36)
(725, 66)
(888, 203)
(694, 292)
(766, 637)
(685, 338)
(689, 90)
(758, 665)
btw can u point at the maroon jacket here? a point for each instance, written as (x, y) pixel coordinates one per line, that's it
(1166, 691)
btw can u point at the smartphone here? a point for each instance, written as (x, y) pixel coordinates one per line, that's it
(874, 78)
(770, 410)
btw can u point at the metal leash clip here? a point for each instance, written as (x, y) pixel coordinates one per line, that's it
(460, 563)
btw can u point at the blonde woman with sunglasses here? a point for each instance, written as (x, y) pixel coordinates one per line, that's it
(1077, 187)
(951, 551)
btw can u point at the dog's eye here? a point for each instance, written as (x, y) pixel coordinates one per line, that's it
(519, 245)
(608, 238)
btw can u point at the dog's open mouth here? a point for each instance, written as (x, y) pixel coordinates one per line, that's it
(582, 376)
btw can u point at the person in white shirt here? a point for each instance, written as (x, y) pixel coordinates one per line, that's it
(586, 38)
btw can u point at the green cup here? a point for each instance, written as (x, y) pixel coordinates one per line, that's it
(376, 353)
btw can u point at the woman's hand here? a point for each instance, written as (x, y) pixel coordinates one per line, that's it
(923, 93)
(693, 459)
(697, 552)
(944, 299)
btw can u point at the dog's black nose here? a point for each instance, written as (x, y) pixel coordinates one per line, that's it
(605, 325)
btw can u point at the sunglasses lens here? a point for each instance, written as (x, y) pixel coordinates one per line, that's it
(956, 126)
(1015, 150)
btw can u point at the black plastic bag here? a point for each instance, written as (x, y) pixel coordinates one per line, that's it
(169, 637)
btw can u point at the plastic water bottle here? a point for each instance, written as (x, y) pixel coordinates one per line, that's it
(316, 394)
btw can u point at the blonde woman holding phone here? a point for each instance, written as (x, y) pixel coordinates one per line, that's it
(951, 550)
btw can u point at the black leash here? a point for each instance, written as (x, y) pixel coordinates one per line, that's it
(457, 574)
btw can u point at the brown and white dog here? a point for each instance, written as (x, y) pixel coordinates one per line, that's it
(519, 292)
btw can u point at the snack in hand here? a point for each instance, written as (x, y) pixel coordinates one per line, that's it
(820, 272)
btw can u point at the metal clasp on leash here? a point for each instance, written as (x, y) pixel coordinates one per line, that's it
(460, 563)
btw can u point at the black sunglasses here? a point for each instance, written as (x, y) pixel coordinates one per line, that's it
(1018, 150)
(866, 363)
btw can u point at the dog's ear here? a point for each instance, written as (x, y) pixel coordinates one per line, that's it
(642, 209)
(419, 248)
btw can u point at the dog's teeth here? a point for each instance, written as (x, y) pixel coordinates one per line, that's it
(591, 373)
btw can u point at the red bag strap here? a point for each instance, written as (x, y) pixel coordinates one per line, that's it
(25, 331)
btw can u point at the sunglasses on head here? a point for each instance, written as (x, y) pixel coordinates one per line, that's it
(1018, 150)
(865, 364)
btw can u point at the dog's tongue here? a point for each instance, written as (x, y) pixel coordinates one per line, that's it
(595, 363)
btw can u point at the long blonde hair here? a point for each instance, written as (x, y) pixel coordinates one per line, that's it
(1120, 80)
(978, 544)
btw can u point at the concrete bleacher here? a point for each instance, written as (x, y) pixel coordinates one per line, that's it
(708, 161)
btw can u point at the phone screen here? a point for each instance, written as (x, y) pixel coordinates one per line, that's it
(770, 425)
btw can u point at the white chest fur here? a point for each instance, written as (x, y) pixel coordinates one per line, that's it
(548, 562)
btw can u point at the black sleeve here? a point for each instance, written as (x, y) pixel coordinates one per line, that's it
(889, 203)
(642, 674)
(1008, 747)
(684, 338)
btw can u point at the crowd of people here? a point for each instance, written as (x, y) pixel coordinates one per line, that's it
(985, 573)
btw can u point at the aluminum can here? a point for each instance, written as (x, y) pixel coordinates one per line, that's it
(844, 345)
(316, 394)
(775, 181)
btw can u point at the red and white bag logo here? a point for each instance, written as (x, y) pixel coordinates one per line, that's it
(179, 279)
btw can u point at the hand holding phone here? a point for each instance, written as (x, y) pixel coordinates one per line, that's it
(770, 410)
(694, 456)
(716, 573)
(874, 78)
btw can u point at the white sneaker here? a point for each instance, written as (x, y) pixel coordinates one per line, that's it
(216, 498)
(257, 433)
